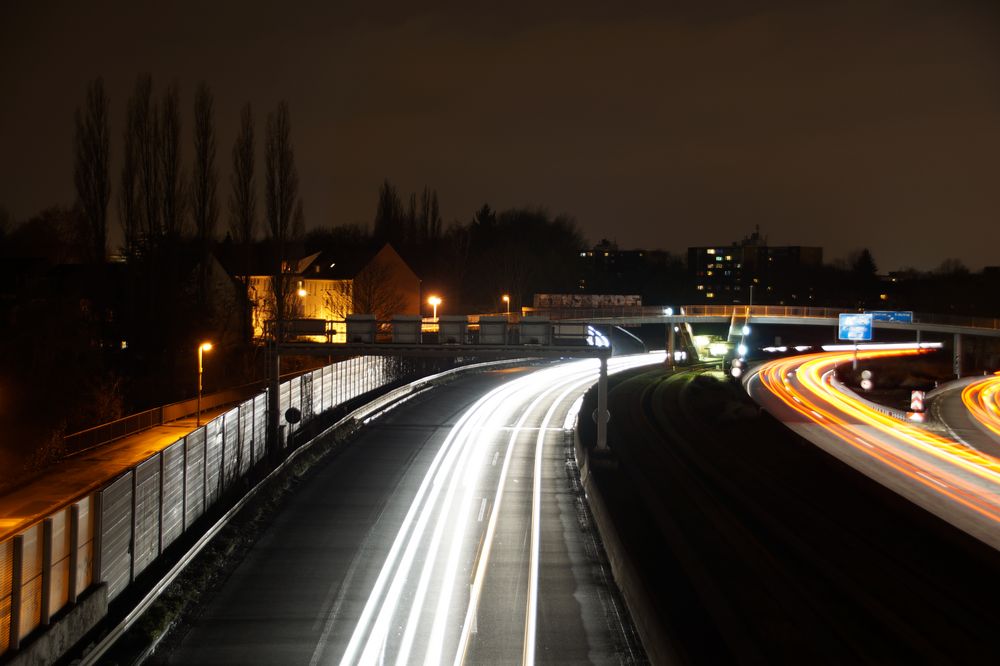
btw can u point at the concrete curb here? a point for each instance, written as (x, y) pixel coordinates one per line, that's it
(629, 581)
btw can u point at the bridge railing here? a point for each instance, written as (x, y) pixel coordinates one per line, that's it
(113, 534)
(777, 311)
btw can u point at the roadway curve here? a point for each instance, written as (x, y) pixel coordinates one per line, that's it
(451, 531)
(751, 545)
(953, 480)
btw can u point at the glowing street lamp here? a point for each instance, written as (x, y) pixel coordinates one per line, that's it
(202, 348)
(506, 299)
(435, 301)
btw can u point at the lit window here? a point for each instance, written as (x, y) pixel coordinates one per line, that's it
(583, 254)
(718, 258)
(709, 272)
(124, 344)
(712, 251)
(701, 287)
(883, 297)
(709, 295)
(729, 257)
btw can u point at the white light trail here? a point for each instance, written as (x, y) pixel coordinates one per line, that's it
(448, 518)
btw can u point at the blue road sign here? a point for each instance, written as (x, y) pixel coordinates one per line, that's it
(900, 316)
(856, 327)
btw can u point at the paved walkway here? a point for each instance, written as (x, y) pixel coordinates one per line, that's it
(78, 475)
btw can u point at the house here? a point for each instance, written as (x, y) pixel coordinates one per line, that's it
(328, 285)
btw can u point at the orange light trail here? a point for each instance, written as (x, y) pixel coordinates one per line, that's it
(982, 399)
(949, 468)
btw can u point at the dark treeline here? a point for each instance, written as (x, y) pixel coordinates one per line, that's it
(470, 264)
(856, 283)
(85, 339)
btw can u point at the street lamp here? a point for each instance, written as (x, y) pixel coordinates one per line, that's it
(202, 348)
(435, 301)
(506, 299)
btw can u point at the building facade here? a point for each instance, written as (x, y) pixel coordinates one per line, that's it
(778, 275)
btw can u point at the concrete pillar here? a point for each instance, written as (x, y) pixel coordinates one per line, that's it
(670, 345)
(602, 406)
(957, 359)
(918, 336)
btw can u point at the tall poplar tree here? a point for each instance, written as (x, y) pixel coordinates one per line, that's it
(91, 172)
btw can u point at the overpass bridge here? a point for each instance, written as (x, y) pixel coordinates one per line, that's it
(766, 314)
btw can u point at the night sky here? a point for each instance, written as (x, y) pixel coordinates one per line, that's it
(841, 124)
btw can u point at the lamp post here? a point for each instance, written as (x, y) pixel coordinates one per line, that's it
(506, 299)
(435, 301)
(202, 348)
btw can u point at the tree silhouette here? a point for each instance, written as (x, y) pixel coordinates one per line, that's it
(171, 175)
(91, 173)
(144, 128)
(204, 180)
(243, 203)
(284, 208)
(388, 227)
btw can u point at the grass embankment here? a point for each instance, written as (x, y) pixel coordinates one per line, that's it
(752, 545)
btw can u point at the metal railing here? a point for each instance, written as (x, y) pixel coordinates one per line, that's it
(113, 534)
(776, 311)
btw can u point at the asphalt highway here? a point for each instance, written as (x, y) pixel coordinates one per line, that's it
(956, 481)
(969, 411)
(452, 530)
(752, 545)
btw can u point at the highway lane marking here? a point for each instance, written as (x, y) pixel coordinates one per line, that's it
(482, 510)
(496, 455)
(531, 613)
(530, 429)
(400, 554)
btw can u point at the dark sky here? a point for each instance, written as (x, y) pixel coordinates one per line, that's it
(842, 124)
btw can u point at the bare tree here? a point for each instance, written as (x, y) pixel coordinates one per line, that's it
(171, 176)
(129, 201)
(91, 172)
(434, 232)
(243, 202)
(388, 215)
(374, 291)
(283, 204)
(204, 180)
(145, 140)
